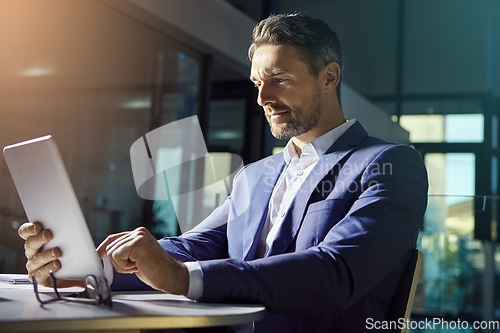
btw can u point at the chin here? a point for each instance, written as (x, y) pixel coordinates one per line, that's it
(280, 135)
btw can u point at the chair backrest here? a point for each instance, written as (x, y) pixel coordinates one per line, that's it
(403, 299)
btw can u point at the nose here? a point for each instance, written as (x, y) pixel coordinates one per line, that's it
(266, 95)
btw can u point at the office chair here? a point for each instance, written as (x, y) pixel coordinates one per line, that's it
(402, 302)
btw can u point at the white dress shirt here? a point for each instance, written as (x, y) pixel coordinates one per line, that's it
(291, 179)
(295, 172)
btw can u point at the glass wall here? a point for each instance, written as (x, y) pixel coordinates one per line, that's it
(454, 262)
(226, 125)
(454, 137)
(444, 127)
(97, 81)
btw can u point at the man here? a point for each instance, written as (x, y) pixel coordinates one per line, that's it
(331, 221)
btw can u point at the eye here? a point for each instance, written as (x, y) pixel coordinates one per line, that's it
(280, 80)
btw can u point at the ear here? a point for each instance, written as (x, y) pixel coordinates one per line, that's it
(332, 77)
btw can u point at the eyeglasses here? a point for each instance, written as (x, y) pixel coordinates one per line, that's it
(96, 292)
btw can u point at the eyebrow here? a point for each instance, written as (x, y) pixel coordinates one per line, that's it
(270, 74)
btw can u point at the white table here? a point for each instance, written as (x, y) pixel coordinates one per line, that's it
(131, 311)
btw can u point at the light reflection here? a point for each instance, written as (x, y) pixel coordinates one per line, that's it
(37, 71)
(142, 103)
(227, 135)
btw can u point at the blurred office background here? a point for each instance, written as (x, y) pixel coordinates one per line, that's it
(99, 74)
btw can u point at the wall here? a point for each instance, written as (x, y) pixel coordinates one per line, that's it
(217, 27)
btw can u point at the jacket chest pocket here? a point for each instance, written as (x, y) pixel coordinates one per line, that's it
(319, 218)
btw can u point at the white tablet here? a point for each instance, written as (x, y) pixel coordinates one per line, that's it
(48, 197)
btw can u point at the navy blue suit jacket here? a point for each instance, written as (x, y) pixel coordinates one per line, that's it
(341, 249)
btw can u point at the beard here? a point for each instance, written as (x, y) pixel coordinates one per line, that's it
(300, 121)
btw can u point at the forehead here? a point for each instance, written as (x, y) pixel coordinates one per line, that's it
(272, 59)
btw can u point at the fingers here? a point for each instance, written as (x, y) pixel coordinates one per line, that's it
(35, 237)
(42, 273)
(121, 248)
(139, 252)
(42, 259)
(29, 229)
(40, 263)
(119, 252)
(33, 244)
(101, 249)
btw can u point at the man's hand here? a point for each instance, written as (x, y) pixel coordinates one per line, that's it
(41, 262)
(138, 252)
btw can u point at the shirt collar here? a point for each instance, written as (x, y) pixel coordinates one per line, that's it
(321, 144)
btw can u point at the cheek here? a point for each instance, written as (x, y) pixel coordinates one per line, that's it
(313, 99)
(306, 92)
(303, 100)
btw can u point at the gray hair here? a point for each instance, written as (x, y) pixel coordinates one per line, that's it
(318, 44)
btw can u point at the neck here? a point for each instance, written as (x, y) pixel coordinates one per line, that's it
(327, 122)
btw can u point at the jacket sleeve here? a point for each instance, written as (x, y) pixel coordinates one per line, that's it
(206, 241)
(357, 253)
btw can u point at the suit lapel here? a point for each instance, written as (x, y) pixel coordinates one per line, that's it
(260, 196)
(293, 219)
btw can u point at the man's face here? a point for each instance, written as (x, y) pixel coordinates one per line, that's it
(288, 92)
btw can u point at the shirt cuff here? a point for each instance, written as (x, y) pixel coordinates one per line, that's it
(195, 290)
(108, 269)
